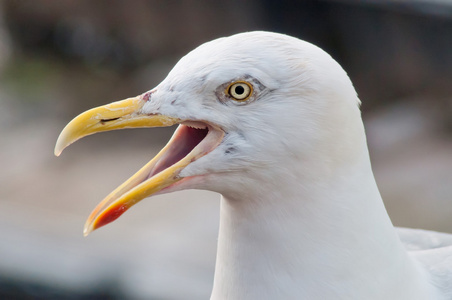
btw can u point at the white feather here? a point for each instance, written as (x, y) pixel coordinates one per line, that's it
(301, 214)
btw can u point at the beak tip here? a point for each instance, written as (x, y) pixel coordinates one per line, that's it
(60, 145)
(57, 152)
(87, 230)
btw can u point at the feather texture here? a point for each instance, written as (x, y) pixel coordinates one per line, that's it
(301, 215)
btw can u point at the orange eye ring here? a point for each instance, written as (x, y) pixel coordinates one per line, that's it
(240, 90)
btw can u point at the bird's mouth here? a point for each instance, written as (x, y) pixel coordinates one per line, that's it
(190, 141)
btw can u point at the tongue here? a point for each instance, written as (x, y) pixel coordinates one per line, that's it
(185, 140)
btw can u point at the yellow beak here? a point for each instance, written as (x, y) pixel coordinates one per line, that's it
(161, 172)
(116, 115)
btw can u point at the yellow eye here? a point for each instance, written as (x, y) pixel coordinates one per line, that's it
(240, 90)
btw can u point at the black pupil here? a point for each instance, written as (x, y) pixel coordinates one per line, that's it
(239, 90)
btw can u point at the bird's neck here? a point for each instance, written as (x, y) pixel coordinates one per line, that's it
(310, 238)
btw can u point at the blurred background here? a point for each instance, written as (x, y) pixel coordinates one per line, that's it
(59, 58)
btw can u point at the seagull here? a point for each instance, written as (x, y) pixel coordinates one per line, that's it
(273, 124)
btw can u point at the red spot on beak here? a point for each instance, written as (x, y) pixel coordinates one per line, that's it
(110, 215)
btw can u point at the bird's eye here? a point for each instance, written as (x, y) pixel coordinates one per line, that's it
(240, 90)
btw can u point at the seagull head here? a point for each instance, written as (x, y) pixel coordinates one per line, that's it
(248, 106)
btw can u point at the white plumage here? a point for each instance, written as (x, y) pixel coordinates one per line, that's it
(301, 215)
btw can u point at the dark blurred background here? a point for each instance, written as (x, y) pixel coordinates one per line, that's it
(59, 58)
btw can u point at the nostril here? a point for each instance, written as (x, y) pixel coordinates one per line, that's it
(103, 121)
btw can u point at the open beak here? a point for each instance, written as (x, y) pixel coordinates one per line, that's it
(188, 143)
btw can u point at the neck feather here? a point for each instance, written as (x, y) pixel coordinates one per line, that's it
(328, 238)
